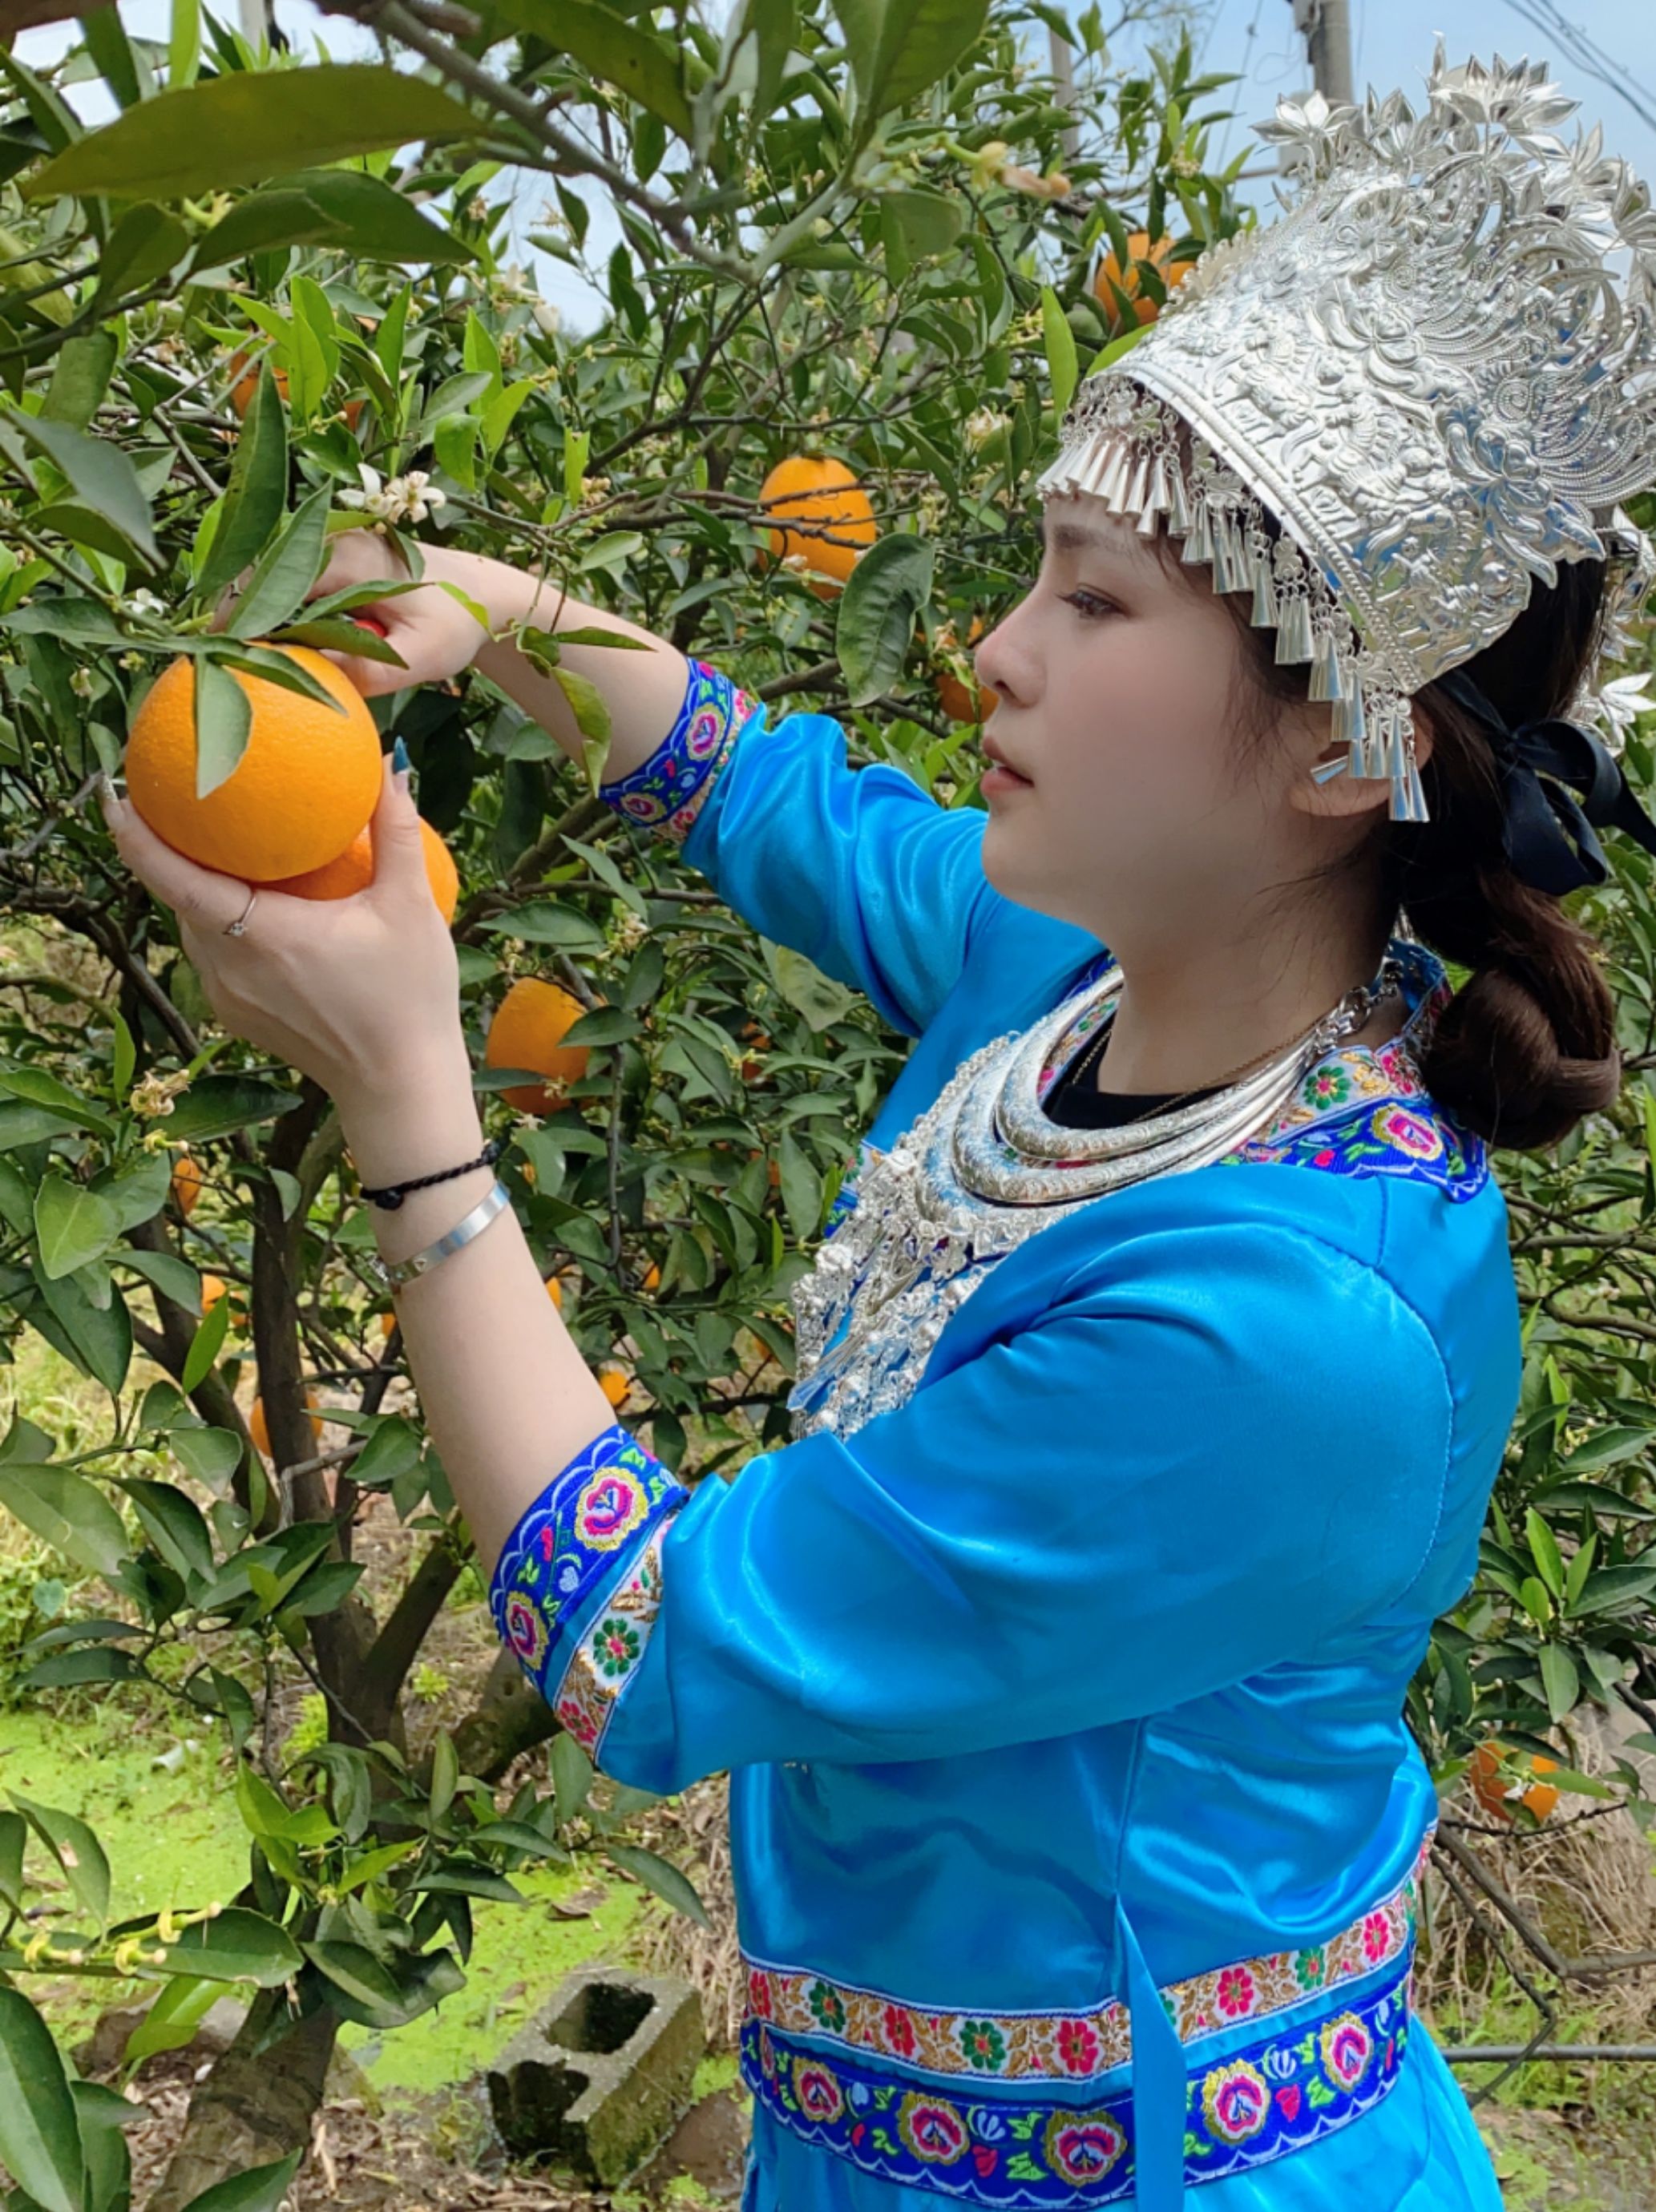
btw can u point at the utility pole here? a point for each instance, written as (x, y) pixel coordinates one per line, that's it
(1327, 28)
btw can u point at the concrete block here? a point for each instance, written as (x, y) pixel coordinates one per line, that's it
(597, 2082)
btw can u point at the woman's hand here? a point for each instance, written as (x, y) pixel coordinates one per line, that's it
(361, 993)
(435, 635)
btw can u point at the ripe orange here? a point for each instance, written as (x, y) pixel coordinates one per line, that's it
(353, 871)
(653, 1280)
(956, 701)
(821, 490)
(242, 391)
(261, 1435)
(1484, 1775)
(555, 1292)
(187, 1184)
(388, 1322)
(304, 788)
(1172, 274)
(527, 1032)
(612, 1381)
(212, 1289)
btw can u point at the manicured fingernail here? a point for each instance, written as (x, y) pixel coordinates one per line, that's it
(400, 761)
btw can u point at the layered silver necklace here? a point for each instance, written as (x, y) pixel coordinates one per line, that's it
(983, 1169)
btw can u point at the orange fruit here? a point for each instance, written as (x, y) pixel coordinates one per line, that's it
(612, 1381)
(956, 701)
(555, 1292)
(653, 1280)
(388, 1322)
(1484, 1775)
(527, 1032)
(304, 788)
(261, 1435)
(819, 489)
(186, 1185)
(353, 871)
(1171, 273)
(242, 391)
(212, 1289)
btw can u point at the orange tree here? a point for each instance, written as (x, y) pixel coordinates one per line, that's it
(268, 301)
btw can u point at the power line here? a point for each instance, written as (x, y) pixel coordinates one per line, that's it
(1544, 16)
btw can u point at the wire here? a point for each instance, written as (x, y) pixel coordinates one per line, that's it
(1544, 16)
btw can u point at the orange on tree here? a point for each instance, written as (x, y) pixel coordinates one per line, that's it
(261, 1433)
(555, 1292)
(305, 786)
(956, 701)
(613, 1382)
(246, 384)
(1172, 274)
(353, 871)
(1484, 1775)
(820, 490)
(187, 1184)
(653, 1279)
(212, 1289)
(528, 1031)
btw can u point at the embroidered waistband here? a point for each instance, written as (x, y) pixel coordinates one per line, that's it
(1072, 2048)
(1280, 2093)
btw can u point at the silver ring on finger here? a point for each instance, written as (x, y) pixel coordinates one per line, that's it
(235, 928)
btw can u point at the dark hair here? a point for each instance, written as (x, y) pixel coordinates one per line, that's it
(1526, 1047)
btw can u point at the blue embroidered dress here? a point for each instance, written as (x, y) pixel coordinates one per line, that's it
(1075, 1825)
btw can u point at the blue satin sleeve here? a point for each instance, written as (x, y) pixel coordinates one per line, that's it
(858, 869)
(1151, 1491)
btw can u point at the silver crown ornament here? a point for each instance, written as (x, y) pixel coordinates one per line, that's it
(1436, 368)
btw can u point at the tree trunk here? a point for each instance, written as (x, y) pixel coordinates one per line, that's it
(507, 1718)
(250, 2110)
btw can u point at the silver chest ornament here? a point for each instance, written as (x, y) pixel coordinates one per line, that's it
(978, 1173)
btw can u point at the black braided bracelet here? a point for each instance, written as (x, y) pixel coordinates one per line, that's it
(392, 1195)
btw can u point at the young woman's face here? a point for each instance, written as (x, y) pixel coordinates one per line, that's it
(1117, 683)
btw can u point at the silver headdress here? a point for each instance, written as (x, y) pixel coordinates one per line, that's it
(1437, 369)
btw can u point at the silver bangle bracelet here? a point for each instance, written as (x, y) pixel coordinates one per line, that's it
(394, 1274)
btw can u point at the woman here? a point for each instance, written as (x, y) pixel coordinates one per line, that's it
(1059, 1661)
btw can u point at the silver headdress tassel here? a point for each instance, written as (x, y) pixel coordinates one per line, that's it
(1437, 369)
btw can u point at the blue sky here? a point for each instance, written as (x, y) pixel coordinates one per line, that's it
(1392, 42)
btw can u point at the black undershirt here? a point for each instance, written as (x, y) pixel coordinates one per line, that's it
(1079, 1104)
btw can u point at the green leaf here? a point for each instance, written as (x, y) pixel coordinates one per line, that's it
(1061, 361)
(101, 476)
(14, 1834)
(184, 48)
(344, 209)
(108, 44)
(219, 1105)
(174, 1524)
(890, 584)
(1543, 1547)
(174, 1278)
(40, 2137)
(900, 48)
(224, 720)
(173, 2018)
(1616, 1586)
(801, 1187)
(68, 1512)
(362, 1988)
(144, 244)
(205, 1344)
(257, 489)
(72, 1225)
(1560, 1679)
(241, 128)
(603, 1025)
(210, 1455)
(80, 377)
(77, 1851)
(261, 2188)
(817, 996)
(137, 1190)
(236, 1946)
(629, 56)
(286, 571)
(69, 1668)
(98, 1337)
(1608, 1447)
(926, 223)
(661, 1875)
(445, 1774)
(43, 1090)
(23, 1124)
(124, 1058)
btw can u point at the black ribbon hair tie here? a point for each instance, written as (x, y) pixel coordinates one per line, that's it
(1547, 832)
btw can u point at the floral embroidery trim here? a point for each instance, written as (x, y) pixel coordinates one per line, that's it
(1073, 2048)
(668, 792)
(612, 1499)
(1278, 2095)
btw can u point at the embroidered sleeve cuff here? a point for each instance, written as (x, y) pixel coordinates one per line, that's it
(612, 1505)
(670, 789)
